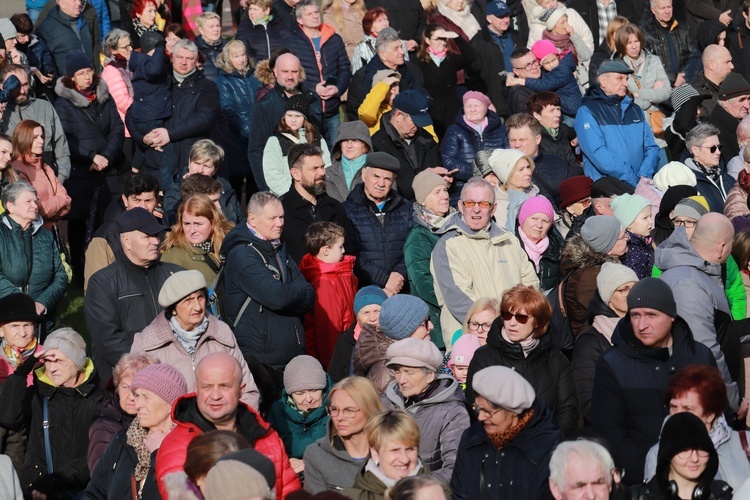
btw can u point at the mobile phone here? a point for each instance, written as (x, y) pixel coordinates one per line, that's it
(331, 80)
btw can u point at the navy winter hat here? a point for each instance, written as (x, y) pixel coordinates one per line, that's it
(75, 62)
(401, 315)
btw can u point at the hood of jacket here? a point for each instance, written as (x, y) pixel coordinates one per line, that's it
(447, 390)
(677, 251)
(15, 226)
(351, 130)
(264, 73)
(312, 267)
(371, 346)
(75, 97)
(578, 255)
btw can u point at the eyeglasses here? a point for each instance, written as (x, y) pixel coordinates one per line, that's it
(684, 455)
(345, 412)
(426, 324)
(478, 410)
(687, 223)
(484, 327)
(521, 318)
(482, 204)
(714, 148)
(528, 67)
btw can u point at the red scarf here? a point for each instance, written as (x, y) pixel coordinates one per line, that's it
(744, 180)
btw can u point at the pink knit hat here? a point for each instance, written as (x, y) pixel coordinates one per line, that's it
(536, 205)
(542, 49)
(164, 380)
(463, 350)
(473, 94)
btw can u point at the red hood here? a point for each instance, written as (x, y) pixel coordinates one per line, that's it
(312, 268)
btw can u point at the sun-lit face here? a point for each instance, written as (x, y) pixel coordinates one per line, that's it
(61, 371)
(475, 111)
(184, 61)
(125, 395)
(307, 400)
(197, 228)
(255, 12)
(633, 46)
(498, 24)
(294, 120)
(352, 149)
(549, 117)
(438, 201)
(614, 83)
(524, 140)
(690, 401)
(618, 302)
(211, 30)
(689, 464)
(17, 334)
(147, 17)
(369, 315)
(37, 143)
(71, 8)
(460, 373)
(536, 226)
(151, 409)
(583, 481)
(561, 28)
(519, 326)
(238, 58)
(142, 249)
(476, 216)
(392, 54)
(494, 420)
(550, 62)
(642, 225)
(83, 78)
(6, 150)
(203, 166)
(270, 222)
(377, 183)
(653, 328)
(412, 380)
(662, 11)
(480, 324)
(334, 252)
(170, 40)
(347, 417)
(146, 200)
(396, 459)
(309, 17)
(25, 209)
(380, 23)
(520, 179)
(708, 153)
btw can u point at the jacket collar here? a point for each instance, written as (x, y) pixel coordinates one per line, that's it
(161, 335)
(47, 387)
(13, 225)
(359, 197)
(72, 95)
(625, 340)
(248, 421)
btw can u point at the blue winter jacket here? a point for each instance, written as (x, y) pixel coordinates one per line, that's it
(378, 239)
(615, 138)
(562, 81)
(102, 13)
(152, 96)
(461, 143)
(236, 97)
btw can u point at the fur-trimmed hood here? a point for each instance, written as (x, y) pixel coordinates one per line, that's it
(265, 76)
(64, 88)
(577, 254)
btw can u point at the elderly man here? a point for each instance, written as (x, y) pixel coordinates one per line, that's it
(733, 106)
(650, 344)
(24, 107)
(603, 191)
(268, 111)
(307, 201)
(668, 39)
(580, 469)
(216, 405)
(381, 219)
(475, 258)
(122, 297)
(717, 64)
(322, 54)
(613, 131)
(402, 135)
(265, 294)
(693, 269)
(65, 30)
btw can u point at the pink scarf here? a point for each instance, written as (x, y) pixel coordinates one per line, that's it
(562, 42)
(476, 127)
(534, 250)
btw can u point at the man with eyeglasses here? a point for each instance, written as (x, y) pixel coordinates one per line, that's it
(733, 106)
(475, 258)
(650, 344)
(524, 65)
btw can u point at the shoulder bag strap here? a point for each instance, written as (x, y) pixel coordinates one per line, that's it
(47, 445)
(248, 299)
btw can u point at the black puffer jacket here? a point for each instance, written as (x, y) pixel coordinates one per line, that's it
(211, 53)
(546, 368)
(262, 41)
(560, 146)
(484, 75)
(108, 419)
(658, 44)
(378, 240)
(236, 96)
(270, 328)
(407, 17)
(738, 40)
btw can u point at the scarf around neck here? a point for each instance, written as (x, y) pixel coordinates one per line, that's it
(744, 180)
(534, 250)
(501, 439)
(636, 64)
(275, 243)
(527, 345)
(712, 173)
(136, 437)
(437, 57)
(562, 42)
(189, 340)
(461, 18)
(121, 65)
(374, 467)
(433, 220)
(351, 167)
(17, 356)
(479, 128)
(140, 29)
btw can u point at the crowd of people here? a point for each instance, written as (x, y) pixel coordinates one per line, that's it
(380, 249)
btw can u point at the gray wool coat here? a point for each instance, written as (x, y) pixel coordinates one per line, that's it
(330, 468)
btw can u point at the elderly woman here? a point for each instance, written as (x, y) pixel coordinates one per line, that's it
(705, 161)
(606, 49)
(393, 437)
(28, 148)
(602, 239)
(126, 469)
(117, 47)
(187, 333)
(687, 462)
(116, 410)
(436, 401)
(346, 18)
(142, 19)
(519, 340)
(95, 135)
(237, 86)
(513, 438)
(196, 238)
(541, 240)
(649, 83)
(432, 212)
(332, 462)
(605, 310)
(62, 400)
(700, 390)
(299, 416)
(401, 316)
(209, 42)
(476, 128)
(347, 158)
(29, 258)
(512, 171)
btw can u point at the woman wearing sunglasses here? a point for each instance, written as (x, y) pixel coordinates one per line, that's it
(705, 161)
(519, 340)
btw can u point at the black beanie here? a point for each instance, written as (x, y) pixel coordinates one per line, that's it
(298, 103)
(652, 293)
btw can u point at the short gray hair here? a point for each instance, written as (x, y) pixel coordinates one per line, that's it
(588, 452)
(259, 200)
(303, 5)
(185, 44)
(743, 130)
(13, 191)
(700, 133)
(384, 39)
(478, 182)
(112, 40)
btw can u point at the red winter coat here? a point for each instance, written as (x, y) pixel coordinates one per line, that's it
(191, 423)
(335, 286)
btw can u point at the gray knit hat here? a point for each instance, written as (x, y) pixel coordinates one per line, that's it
(304, 373)
(414, 353)
(241, 474)
(611, 277)
(504, 387)
(401, 315)
(68, 342)
(601, 232)
(652, 293)
(423, 184)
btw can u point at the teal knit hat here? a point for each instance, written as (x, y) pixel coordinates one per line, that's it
(626, 207)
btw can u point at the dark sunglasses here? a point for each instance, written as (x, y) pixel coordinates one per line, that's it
(521, 318)
(713, 149)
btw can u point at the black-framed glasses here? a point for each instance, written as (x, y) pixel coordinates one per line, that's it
(345, 412)
(530, 66)
(482, 204)
(478, 410)
(521, 318)
(682, 222)
(714, 148)
(685, 454)
(484, 327)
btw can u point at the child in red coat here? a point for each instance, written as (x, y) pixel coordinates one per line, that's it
(330, 272)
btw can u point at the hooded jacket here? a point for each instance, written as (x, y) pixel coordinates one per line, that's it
(699, 293)
(615, 138)
(368, 357)
(627, 401)
(270, 328)
(336, 186)
(546, 368)
(442, 419)
(468, 265)
(329, 466)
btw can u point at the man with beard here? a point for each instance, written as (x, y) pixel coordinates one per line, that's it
(307, 202)
(24, 107)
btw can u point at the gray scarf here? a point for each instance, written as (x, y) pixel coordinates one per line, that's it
(189, 340)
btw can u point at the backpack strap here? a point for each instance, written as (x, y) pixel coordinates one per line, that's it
(249, 299)
(45, 426)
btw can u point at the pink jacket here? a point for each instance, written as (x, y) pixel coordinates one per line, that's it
(647, 189)
(119, 91)
(54, 202)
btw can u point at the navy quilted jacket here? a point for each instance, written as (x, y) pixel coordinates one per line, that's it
(379, 235)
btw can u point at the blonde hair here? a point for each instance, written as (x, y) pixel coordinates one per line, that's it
(205, 17)
(224, 62)
(364, 394)
(392, 424)
(479, 306)
(200, 206)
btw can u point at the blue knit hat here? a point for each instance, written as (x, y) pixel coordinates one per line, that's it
(368, 296)
(401, 315)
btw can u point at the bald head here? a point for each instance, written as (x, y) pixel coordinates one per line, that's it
(288, 72)
(218, 387)
(712, 237)
(717, 63)
(219, 362)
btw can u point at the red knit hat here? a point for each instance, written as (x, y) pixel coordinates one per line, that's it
(574, 189)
